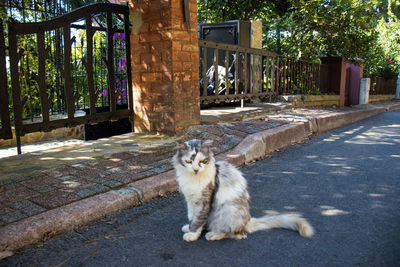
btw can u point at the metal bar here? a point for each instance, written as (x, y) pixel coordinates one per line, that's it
(246, 74)
(277, 77)
(267, 74)
(216, 80)
(89, 119)
(5, 129)
(234, 48)
(110, 63)
(76, 15)
(237, 72)
(204, 74)
(16, 89)
(226, 72)
(272, 74)
(284, 78)
(128, 65)
(89, 65)
(42, 76)
(68, 90)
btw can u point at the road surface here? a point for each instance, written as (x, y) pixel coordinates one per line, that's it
(346, 183)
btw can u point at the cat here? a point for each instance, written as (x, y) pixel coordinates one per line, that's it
(217, 197)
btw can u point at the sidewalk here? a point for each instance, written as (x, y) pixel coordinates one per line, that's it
(48, 191)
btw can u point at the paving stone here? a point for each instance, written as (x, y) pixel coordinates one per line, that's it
(116, 170)
(17, 194)
(215, 130)
(68, 178)
(161, 162)
(6, 181)
(22, 204)
(20, 178)
(39, 181)
(28, 208)
(126, 177)
(129, 145)
(157, 170)
(55, 199)
(11, 186)
(107, 182)
(105, 164)
(5, 209)
(12, 216)
(122, 156)
(80, 166)
(91, 190)
(46, 189)
(54, 173)
(29, 169)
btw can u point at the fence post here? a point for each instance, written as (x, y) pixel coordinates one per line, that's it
(165, 65)
(396, 97)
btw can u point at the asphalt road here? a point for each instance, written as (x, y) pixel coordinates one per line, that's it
(346, 182)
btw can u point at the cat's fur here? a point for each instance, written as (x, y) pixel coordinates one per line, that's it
(218, 200)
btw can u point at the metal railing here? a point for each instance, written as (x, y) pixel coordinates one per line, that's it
(231, 73)
(65, 82)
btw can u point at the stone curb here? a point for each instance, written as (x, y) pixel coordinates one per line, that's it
(252, 148)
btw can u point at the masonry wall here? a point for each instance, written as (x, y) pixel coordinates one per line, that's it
(165, 73)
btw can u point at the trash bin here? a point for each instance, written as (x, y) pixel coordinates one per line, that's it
(365, 85)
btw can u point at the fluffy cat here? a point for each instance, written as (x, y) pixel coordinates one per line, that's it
(218, 200)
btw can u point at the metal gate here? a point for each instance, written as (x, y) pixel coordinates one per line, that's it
(78, 71)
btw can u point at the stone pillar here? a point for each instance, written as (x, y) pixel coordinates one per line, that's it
(165, 66)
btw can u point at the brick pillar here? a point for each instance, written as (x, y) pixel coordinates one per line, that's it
(165, 70)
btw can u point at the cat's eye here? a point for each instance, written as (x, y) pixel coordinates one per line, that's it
(203, 161)
(188, 161)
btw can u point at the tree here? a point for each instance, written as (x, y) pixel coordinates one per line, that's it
(311, 29)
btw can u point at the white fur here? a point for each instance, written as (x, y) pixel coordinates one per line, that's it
(237, 187)
(231, 218)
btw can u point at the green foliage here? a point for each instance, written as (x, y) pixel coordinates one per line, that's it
(310, 29)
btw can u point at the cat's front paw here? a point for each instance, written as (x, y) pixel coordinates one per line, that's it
(212, 236)
(185, 228)
(191, 236)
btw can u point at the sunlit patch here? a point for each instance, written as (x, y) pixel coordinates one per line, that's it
(376, 195)
(348, 168)
(71, 184)
(289, 207)
(332, 211)
(288, 173)
(311, 157)
(395, 156)
(339, 158)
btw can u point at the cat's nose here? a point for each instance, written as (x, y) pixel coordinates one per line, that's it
(195, 170)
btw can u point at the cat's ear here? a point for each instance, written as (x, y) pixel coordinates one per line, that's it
(207, 147)
(207, 143)
(180, 145)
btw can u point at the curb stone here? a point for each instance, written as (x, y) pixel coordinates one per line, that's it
(253, 147)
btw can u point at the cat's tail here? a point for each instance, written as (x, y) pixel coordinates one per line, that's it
(286, 221)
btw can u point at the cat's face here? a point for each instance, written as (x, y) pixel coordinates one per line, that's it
(194, 155)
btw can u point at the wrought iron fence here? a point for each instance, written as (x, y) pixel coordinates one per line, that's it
(73, 69)
(237, 73)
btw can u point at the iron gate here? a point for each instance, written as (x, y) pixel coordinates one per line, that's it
(74, 87)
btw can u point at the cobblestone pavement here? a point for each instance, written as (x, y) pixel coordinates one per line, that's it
(40, 181)
(31, 190)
